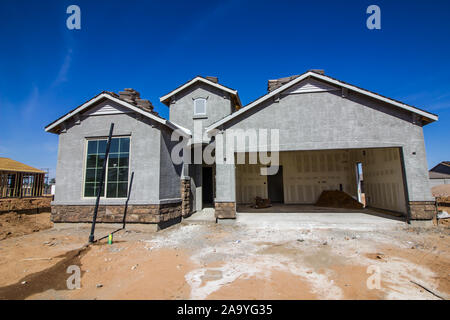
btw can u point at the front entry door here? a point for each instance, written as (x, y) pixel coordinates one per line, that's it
(275, 186)
(207, 185)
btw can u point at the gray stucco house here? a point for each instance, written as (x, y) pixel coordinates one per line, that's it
(325, 129)
(440, 174)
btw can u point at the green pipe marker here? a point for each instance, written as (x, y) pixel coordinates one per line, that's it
(110, 238)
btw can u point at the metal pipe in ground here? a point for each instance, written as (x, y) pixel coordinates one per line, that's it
(102, 179)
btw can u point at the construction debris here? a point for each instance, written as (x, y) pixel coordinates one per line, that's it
(261, 203)
(276, 83)
(443, 215)
(132, 96)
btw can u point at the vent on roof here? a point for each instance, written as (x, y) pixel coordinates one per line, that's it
(213, 79)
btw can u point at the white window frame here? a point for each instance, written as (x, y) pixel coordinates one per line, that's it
(195, 111)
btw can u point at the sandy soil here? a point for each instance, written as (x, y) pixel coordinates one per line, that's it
(26, 204)
(209, 261)
(442, 190)
(14, 224)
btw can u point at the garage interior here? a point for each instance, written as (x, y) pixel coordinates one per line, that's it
(372, 176)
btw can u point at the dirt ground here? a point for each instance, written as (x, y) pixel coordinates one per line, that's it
(25, 204)
(442, 190)
(215, 261)
(14, 224)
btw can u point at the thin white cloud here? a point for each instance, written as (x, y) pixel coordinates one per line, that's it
(64, 69)
(430, 100)
(31, 104)
(439, 106)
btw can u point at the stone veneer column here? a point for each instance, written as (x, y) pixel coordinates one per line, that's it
(225, 210)
(186, 197)
(225, 202)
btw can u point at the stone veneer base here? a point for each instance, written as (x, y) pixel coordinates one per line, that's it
(225, 210)
(422, 210)
(161, 214)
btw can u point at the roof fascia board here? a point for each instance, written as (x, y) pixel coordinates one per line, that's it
(77, 110)
(326, 79)
(123, 103)
(378, 97)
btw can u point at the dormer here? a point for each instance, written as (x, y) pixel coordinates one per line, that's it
(201, 99)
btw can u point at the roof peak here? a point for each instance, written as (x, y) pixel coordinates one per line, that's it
(213, 81)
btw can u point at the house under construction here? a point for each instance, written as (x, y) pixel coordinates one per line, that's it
(18, 180)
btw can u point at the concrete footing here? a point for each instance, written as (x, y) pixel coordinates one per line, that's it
(421, 223)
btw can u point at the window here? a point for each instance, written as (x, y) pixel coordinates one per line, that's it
(200, 106)
(116, 180)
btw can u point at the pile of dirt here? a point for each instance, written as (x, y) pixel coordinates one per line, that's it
(442, 190)
(337, 199)
(25, 204)
(14, 224)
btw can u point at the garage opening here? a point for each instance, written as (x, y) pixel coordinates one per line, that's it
(372, 176)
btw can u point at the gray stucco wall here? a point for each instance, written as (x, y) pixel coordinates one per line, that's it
(170, 174)
(218, 105)
(145, 151)
(225, 183)
(325, 120)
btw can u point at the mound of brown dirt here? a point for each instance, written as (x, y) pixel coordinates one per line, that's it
(14, 224)
(441, 191)
(337, 199)
(25, 204)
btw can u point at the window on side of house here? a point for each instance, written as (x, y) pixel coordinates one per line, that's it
(116, 179)
(199, 106)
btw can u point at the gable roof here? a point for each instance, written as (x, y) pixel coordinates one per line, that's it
(7, 164)
(311, 74)
(166, 99)
(441, 170)
(52, 127)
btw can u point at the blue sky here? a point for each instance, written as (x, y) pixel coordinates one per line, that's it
(154, 46)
